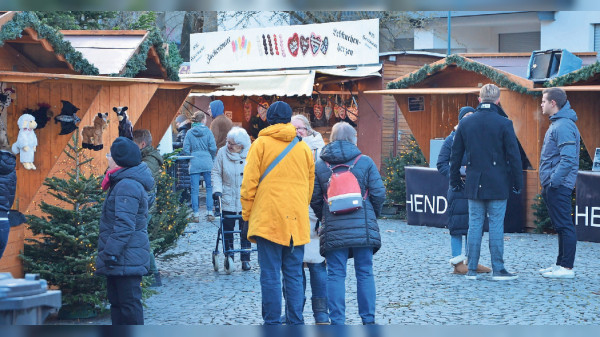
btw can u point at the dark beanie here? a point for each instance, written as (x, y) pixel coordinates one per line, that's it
(279, 112)
(463, 111)
(125, 152)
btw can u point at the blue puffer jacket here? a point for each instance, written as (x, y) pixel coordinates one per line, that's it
(200, 143)
(124, 223)
(357, 229)
(458, 204)
(559, 161)
(8, 180)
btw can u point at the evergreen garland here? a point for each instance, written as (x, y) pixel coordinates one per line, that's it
(582, 74)
(137, 62)
(14, 29)
(489, 72)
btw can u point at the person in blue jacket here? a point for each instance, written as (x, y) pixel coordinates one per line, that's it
(8, 186)
(123, 246)
(559, 164)
(458, 206)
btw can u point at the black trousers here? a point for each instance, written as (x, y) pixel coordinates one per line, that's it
(229, 225)
(125, 296)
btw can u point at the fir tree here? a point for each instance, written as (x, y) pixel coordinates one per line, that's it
(168, 216)
(64, 248)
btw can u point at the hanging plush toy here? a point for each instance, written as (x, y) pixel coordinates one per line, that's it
(42, 115)
(26, 141)
(125, 126)
(92, 135)
(67, 118)
(5, 100)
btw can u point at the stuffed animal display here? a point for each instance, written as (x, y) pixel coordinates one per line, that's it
(5, 100)
(42, 115)
(26, 141)
(125, 126)
(67, 118)
(92, 135)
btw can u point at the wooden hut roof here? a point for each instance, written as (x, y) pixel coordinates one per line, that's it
(501, 78)
(41, 48)
(111, 50)
(589, 74)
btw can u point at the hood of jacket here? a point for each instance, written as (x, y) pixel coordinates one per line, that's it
(200, 130)
(8, 162)
(565, 112)
(216, 108)
(152, 152)
(314, 141)
(140, 173)
(185, 126)
(284, 132)
(339, 152)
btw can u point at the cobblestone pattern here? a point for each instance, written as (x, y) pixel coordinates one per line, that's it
(413, 279)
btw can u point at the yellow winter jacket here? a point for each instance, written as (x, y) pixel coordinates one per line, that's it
(277, 209)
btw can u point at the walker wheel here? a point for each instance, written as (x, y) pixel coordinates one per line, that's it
(215, 261)
(228, 265)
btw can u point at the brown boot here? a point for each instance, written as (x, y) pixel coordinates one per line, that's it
(460, 268)
(483, 269)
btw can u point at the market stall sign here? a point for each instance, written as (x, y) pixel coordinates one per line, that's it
(326, 44)
(416, 103)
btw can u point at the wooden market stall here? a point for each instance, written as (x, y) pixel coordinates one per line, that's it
(430, 98)
(32, 67)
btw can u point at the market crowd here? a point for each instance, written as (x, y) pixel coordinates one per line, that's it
(312, 206)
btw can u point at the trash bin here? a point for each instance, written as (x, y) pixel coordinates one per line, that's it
(26, 301)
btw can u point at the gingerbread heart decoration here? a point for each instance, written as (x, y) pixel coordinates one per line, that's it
(247, 110)
(325, 45)
(315, 43)
(293, 43)
(318, 110)
(304, 44)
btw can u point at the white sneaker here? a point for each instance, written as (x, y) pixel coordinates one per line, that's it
(549, 269)
(561, 272)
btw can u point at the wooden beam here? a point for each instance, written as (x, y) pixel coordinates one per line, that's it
(423, 91)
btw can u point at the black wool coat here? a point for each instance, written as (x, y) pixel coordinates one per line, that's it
(357, 229)
(493, 160)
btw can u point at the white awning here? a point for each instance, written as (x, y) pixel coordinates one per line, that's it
(280, 83)
(258, 83)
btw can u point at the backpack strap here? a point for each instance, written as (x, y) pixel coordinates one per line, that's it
(279, 158)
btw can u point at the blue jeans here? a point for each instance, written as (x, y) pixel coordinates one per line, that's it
(558, 202)
(4, 230)
(318, 285)
(273, 260)
(195, 181)
(336, 284)
(477, 212)
(456, 243)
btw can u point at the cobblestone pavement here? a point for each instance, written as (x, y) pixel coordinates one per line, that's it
(413, 279)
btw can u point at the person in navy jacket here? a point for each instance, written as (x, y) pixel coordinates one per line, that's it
(494, 169)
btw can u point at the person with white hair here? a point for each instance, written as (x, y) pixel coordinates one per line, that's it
(313, 260)
(349, 235)
(226, 176)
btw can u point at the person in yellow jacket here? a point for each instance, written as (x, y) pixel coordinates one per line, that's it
(277, 211)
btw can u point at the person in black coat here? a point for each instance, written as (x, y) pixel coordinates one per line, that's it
(123, 246)
(493, 169)
(8, 186)
(353, 235)
(183, 165)
(458, 206)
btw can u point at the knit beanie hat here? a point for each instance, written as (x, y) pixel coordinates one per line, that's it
(216, 108)
(279, 112)
(125, 152)
(463, 111)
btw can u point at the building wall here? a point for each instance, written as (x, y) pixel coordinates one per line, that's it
(571, 30)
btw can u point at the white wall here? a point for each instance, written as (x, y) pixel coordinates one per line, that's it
(571, 30)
